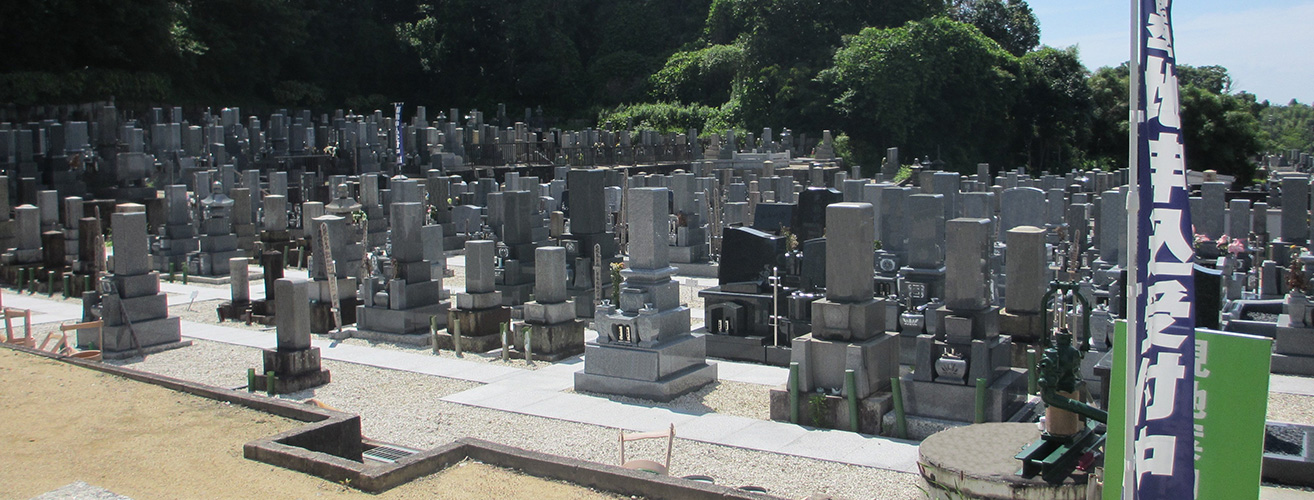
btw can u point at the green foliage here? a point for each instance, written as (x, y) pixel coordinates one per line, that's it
(817, 413)
(1009, 23)
(1221, 131)
(662, 117)
(703, 76)
(1053, 117)
(34, 88)
(934, 87)
(1284, 128)
(905, 171)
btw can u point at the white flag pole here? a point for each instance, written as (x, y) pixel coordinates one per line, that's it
(1133, 259)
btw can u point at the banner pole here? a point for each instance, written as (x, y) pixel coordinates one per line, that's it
(1133, 258)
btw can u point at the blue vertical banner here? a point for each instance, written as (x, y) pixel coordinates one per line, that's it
(401, 127)
(1162, 353)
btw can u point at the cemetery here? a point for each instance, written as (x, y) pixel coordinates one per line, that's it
(737, 306)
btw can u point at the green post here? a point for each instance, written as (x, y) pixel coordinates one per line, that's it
(22, 278)
(50, 284)
(68, 285)
(433, 332)
(456, 338)
(793, 392)
(86, 283)
(1032, 383)
(250, 380)
(980, 400)
(184, 270)
(851, 393)
(173, 267)
(900, 420)
(506, 348)
(269, 382)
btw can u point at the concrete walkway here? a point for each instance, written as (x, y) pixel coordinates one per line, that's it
(539, 393)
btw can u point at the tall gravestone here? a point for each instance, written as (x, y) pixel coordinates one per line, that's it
(479, 312)
(294, 362)
(135, 312)
(849, 324)
(588, 243)
(401, 302)
(553, 332)
(644, 348)
(965, 348)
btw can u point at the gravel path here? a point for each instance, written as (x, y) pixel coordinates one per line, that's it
(1292, 408)
(406, 408)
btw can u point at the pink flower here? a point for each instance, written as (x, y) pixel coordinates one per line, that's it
(1237, 246)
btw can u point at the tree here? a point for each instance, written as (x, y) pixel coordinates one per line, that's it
(1054, 115)
(1011, 23)
(935, 87)
(1220, 130)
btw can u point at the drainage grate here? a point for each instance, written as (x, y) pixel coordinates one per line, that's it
(387, 454)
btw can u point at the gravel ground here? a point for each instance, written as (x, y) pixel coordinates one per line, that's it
(405, 408)
(723, 396)
(1292, 408)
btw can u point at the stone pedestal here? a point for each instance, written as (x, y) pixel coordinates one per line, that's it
(644, 348)
(294, 371)
(553, 331)
(294, 363)
(136, 314)
(401, 307)
(1293, 348)
(479, 311)
(823, 363)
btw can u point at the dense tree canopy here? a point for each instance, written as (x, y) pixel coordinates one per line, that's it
(959, 80)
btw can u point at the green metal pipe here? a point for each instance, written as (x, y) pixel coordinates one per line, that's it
(506, 344)
(900, 420)
(1051, 397)
(68, 285)
(50, 284)
(173, 267)
(456, 339)
(980, 400)
(86, 283)
(793, 392)
(269, 382)
(1032, 384)
(851, 393)
(250, 380)
(22, 279)
(184, 272)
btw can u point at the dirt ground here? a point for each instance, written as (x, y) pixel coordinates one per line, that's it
(60, 423)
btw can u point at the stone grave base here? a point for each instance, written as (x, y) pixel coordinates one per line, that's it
(665, 389)
(145, 351)
(688, 255)
(255, 311)
(1004, 397)
(977, 461)
(9, 272)
(415, 320)
(293, 370)
(1287, 364)
(480, 322)
(830, 411)
(481, 343)
(321, 314)
(516, 294)
(753, 349)
(118, 338)
(661, 372)
(423, 338)
(1024, 328)
(552, 343)
(822, 362)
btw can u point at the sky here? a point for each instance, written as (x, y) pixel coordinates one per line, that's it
(1266, 45)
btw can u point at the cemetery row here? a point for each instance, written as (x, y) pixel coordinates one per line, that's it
(960, 279)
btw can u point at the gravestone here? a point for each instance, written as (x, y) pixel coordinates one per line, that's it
(589, 243)
(135, 312)
(553, 332)
(964, 348)
(644, 348)
(1026, 269)
(397, 304)
(925, 268)
(479, 312)
(295, 363)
